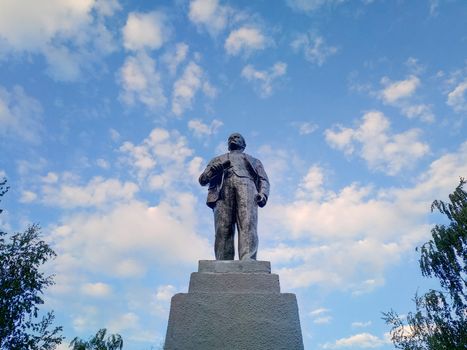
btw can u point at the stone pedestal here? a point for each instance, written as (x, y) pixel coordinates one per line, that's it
(234, 305)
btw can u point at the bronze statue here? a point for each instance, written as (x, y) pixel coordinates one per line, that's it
(238, 184)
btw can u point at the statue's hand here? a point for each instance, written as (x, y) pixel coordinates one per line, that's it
(261, 199)
(217, 167)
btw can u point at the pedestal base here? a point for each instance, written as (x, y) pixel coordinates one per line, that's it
(234, 305)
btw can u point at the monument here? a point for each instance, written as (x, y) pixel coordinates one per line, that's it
(234, 304)
(238, 184)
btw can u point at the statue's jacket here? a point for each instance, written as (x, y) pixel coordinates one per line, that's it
(216, 180)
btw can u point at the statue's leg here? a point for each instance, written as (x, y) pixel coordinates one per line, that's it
(247, 219)
(224, 224)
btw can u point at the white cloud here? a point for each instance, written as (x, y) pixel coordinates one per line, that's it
(165, 293)
(186, 87)
(141, 82)
(195, 167)
(397, 90)
(415, 66)
(130, 239)
(421, 111)
(102, 163)
(124, 322)
(31, 26)
(311, 185)
(400, 94)
(361, 341)
(264, 79)
(141, 157)
(145, 31)
(390, 153)
(305, 128)
(314, 48)
(71, 35)
(209, 90)
(28, 168)
(50, 178)
(129, 268)
(367, 286)
(209, 14)
(341, 139)
(20, 116)
(201, 129)
(139, 234)
(114, 134)
(107, 7)
(27, 197)
(323, 320)
(163, 154)
(319, 311)
(177, 56)
(97, 193)
(347, 238)
(278, 163)
(334, 265)
(408, 332)
(85, 319)
(457, 98)
(63, 346)
(245, 40)
(64, 65)
(192, 80)
(358, 324)
(320, 316)
(97, 289)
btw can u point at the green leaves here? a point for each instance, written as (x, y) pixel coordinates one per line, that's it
(98, 342)
(3, 189)
(445, 256)
(440, 318)
(21, 287)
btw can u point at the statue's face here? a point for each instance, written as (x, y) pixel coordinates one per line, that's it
(236, 141)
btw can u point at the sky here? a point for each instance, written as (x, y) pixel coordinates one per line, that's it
(110, 110)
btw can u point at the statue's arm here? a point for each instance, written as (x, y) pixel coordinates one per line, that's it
(214, 167)
(263, 184)
(204, 177)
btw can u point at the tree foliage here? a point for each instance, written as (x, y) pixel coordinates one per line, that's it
(440, 318)
(98, 342)
(3, 189)
(21, 288)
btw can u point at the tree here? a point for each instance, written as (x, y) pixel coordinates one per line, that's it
(21, 288)
(3, 189)
(97, 342)
(440, 318)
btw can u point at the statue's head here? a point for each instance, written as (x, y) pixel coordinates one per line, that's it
(236, 142)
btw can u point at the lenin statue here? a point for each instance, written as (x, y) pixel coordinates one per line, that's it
(238, 184)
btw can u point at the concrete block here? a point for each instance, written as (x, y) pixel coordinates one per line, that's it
(225, 266)
(234, 283)
(225, 321)
(234, 305)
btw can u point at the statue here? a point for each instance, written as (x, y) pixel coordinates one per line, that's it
(238, 184)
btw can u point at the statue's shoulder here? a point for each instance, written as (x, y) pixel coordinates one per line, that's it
(220, 158)
(252, 159)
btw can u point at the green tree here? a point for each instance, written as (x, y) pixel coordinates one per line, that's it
(21, 288)
(98, 342)
(440, 318)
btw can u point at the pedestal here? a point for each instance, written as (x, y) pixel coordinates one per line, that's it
(234, 305)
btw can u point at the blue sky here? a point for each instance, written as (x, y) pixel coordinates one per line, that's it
(109, 110)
